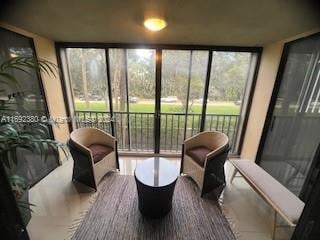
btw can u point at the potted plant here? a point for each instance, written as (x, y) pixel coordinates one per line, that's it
(15, 136)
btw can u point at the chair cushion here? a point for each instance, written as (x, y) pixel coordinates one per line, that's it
(99, 151)
(198, 154)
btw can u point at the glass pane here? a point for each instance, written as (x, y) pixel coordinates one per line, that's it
(31, 99)
(88, 78)
(174, 90)
(25, 98)
(227, 88)
(141, 88)
(199, 65)
(293, 135)
(24, 102)
(118, 75)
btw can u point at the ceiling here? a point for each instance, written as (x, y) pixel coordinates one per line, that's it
(208, 22)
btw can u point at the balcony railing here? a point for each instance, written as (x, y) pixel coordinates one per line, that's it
(135, 130)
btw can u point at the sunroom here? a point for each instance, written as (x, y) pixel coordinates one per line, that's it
(159, 120)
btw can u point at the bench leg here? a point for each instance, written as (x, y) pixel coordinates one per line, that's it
(235, 171)
(274, 225)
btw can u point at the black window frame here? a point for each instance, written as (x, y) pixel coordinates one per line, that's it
(159, 47)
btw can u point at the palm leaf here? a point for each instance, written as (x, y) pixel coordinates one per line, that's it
(14, 136)
(22, 64)
(7, 76)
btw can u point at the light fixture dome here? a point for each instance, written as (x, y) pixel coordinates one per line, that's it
(155, 24)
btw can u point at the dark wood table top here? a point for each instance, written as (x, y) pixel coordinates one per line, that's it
(156, 172)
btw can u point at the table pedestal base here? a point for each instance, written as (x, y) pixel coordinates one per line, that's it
(155, 202)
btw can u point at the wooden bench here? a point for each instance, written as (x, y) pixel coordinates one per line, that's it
(284, 202)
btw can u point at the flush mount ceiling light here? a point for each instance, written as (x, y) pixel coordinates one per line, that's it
(155, 24)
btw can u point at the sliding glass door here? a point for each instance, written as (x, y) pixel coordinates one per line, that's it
(24, 98)
(182, 89)
(230, 80)
(89, 87)
(114, 90)
(151, 100)
(133, 96)
(293, 131)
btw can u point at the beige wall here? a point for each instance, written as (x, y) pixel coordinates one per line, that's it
(45, 49)
(270, 60)
(266, 77)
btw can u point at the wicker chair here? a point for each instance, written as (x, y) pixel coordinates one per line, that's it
(95, 153)
(203, 158)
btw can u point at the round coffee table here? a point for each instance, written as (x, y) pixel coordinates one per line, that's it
(156, 179)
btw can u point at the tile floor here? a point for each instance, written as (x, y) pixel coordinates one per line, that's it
(60, 205)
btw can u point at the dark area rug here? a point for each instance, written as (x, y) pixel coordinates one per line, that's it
(115, 215)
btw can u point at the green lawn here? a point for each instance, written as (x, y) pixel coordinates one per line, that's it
(217, 108)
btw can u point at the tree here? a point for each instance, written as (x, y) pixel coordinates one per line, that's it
(141, 73)
(137, 67)
(229, 75)
(84, 79)
(118, 78)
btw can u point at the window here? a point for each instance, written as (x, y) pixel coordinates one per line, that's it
(155, 112)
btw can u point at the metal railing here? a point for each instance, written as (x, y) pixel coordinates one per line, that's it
(135, 130)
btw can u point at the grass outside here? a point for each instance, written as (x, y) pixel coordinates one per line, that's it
(215, 107)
